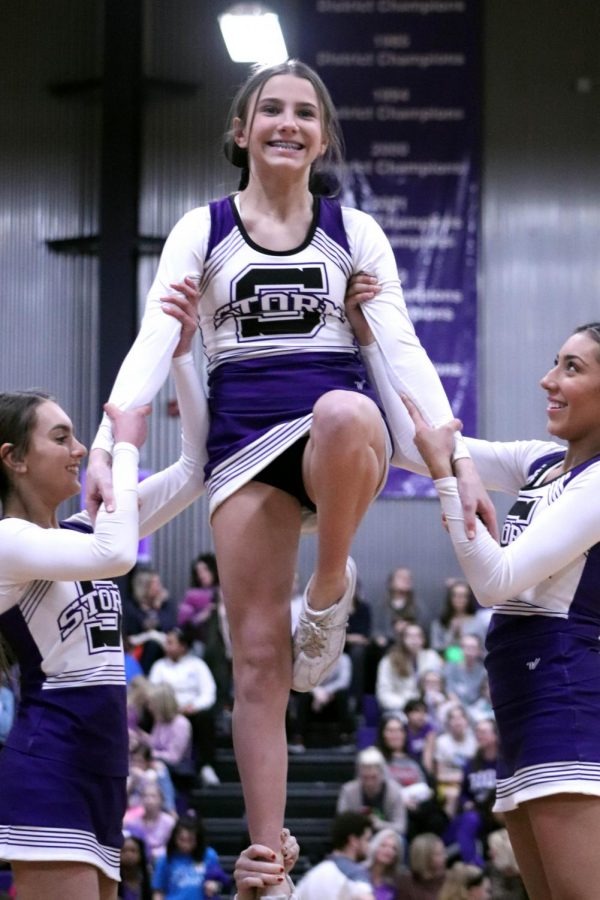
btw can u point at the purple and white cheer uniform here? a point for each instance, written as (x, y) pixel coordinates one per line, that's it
(64, 765)
(544, 638)
(274, 332)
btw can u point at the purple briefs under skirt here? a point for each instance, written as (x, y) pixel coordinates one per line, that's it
(545, 687)
(259, 407)
(53, 811)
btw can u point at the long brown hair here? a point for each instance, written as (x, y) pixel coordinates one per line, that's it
(401, 660)
(325, 176)
(18, 415)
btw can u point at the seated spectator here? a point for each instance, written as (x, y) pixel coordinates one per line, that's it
(196, 691)
(400, 668)
(218, 654)
(374, 793)
(200, 599)
(170, 741)
(456, 619)
(483, 616)
(152, 824)
(391, 614)
(482, 708)
(420, 733)
(171, 736)
(188, 868)
(133, 667)
(358, 644)
(453, 749)
(427, 869)
(464, 678)
(203, 609)
(465, 882)
(147, 615)
(138, 714)
(205, 573)
(400, 606)
(135, 871)
(384, 863)
(342, 876)
(328, 702)
(432, 690)
(195, 608)
(475, 820)
(144, 771)
(391, 741)
(502, 869)
(423, 809)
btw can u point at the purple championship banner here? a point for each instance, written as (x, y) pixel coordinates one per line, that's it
(405, 78)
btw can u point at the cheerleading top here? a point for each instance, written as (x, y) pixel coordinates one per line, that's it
(268, 311)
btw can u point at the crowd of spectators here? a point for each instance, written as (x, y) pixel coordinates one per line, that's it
(414, 822)
(426, 749)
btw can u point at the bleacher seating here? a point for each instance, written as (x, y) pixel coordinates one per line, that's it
(314, 780)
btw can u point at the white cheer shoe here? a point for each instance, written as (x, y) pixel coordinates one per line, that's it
(320, 636)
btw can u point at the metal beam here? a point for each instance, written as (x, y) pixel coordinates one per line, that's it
(120, 185)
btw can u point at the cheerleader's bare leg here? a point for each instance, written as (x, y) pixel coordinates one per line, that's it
(343, 465)
(256, 533)
(553, 839)
(531, 866)
(62, 881)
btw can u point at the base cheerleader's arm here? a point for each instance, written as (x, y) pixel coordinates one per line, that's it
(167, 493)
(554, 539)
(398, 365)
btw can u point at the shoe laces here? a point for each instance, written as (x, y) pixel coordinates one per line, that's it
(312, 638)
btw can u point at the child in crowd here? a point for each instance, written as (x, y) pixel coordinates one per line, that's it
(144, 770)
(420, 733)
(152, 823)
(189, 870)
(453, 749)
(432, 688)
(135, 871)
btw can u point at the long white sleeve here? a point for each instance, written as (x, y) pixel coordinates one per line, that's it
(555, 539)
(28, 552)
(406, 367)
(406, 455)
(146, 366)
(167, 493)
(502, 465)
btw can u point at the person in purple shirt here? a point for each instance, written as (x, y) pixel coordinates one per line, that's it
(384, 864)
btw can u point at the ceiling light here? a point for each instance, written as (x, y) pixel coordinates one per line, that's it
(252, 34)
